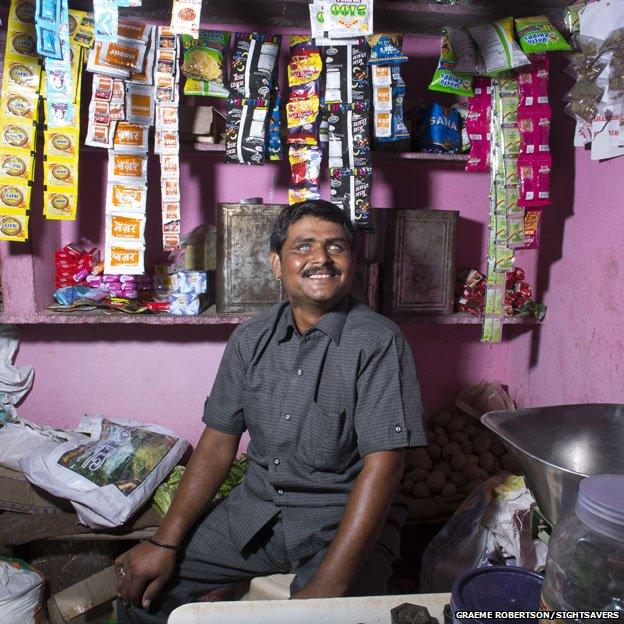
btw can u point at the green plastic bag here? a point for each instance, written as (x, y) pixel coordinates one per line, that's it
(446, 77)
(537, 34)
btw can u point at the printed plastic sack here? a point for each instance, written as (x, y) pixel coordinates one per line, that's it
(491, 527)
(108, 478)
(20, 592)
(22, 437)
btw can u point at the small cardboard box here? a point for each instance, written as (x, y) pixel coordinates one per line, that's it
(90, 601)
(18, 494)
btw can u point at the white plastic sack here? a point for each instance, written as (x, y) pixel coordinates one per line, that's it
(21, 438)
(20, 592)
(15, 381)
(491, 527)
(108, 478)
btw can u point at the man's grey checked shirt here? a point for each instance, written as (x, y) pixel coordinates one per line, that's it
(314, 405)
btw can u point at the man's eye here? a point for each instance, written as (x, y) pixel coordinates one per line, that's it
(303, 247)
(336, 247)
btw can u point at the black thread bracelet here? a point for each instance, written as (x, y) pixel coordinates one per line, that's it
(151, 540)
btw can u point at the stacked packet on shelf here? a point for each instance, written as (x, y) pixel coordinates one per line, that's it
(337, 21)
(19, 110)
(302, 119)
(167, 137)
(191, 293)
(120, 115)
(252, 86)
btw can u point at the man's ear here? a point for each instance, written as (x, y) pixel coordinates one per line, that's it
(276, 265)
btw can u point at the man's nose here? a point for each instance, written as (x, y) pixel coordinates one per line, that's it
(320, 255)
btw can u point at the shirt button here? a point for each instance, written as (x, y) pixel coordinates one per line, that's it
(398, 429)
(280, 492)
(299, 372)
(287, 417)
(276, 462)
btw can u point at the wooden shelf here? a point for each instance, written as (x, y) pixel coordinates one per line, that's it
(210, 317)
(420, 17)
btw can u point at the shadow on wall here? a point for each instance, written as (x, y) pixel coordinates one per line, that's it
(562, 191)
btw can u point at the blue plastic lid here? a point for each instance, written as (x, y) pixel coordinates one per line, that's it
(600, 504)
(497, 588)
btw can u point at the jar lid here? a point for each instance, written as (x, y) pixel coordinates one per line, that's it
(497, 588)
(600, 504)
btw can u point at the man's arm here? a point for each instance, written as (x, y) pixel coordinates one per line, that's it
(362, 521)
(146, 567)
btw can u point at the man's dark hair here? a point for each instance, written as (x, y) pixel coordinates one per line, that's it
(317, 208)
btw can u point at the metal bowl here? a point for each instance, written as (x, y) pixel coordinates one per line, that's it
(560, 445)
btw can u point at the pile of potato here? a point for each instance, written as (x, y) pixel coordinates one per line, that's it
(460, 455)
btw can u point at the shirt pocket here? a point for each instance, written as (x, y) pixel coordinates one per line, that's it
(327, 440)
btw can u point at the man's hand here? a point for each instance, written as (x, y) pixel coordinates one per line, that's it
(142, 573)
(316, 589)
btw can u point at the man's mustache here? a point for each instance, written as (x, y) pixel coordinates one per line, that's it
(330, 270)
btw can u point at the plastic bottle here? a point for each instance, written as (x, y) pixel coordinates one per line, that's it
(585, 565)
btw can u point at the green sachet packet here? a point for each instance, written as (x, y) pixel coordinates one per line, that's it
(537, 34)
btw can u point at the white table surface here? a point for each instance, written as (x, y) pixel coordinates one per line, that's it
(368, 610)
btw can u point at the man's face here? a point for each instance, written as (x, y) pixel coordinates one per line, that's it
(316, 263)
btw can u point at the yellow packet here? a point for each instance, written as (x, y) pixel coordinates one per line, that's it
(21, 74)
(81, 28)
(60, 204)
(13, 225)
(61, 142)
(22, 42)
(16, 164)
(22, 12)
(14, 196)
(61, 173)
(20, 104)
(17, 133)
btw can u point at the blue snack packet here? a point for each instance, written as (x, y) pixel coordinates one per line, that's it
(275, 146)
(440, 131)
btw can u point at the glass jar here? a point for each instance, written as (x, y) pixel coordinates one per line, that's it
(585, 565)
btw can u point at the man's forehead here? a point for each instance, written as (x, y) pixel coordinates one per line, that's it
(313, 228)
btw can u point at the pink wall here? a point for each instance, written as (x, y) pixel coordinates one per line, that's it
(163, 374)
(576, 356)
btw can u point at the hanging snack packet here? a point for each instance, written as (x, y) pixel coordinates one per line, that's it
(276, 151)
(254, 65)
(14, 133)
(305, 169)
(125, 197)
(130, 138)
(458, 60)
(130, 168)
(125, 227)
(302, 121)
(16, 164)
(139, 104)
(13, 225)
(304, 69)
(343, 18)
(15, 196)
(393, 129)
(124, 258)
(346, 73)
(185, 17)
(204, 63)
(245, 131)
(534, 177)
(349, 144)
(534, 127)
(537, 34)
(60, 204)
(351, 190)
(60, 173)
(386, 49)
(497, 46)
(532, 221)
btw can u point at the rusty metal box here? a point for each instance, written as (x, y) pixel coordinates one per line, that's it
(418, 251)
(244, 280)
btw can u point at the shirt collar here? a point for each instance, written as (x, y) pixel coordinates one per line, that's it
(331, 324)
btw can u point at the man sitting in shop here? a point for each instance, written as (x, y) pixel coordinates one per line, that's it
(328, 391)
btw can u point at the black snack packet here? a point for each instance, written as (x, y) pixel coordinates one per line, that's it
(254, 65)
(245, 131)
(346, 73)
(351, 190)
(349, 141)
